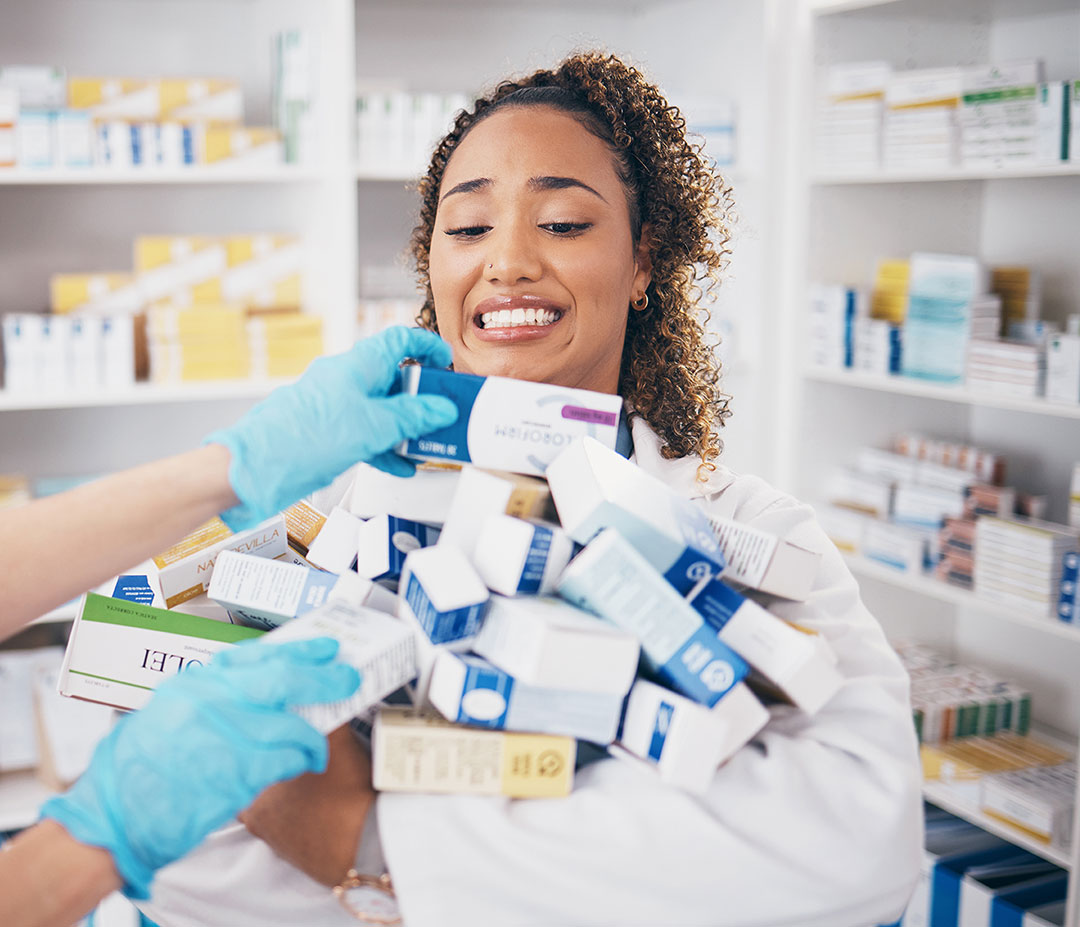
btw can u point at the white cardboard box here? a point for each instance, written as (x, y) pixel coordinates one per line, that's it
(442, 592)
(384, 541)
(334, 547)
(518, 557)
(764, 561)
(424, 497)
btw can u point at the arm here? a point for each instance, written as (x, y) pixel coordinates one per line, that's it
(104, 527)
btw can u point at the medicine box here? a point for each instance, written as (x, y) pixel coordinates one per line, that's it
(610, 578)
(377, 645)
(185, 569)
(384, 541)
(37, 86)
(118, 652)
(239, 145)
(1063, 368)
(684, 740)
(68, 730)
(545, 642)
(789, 660)
(334, 547)
(413, 752)
(443, 594)
(303, 522)
(506, 424)
(117, 98)
(424, 497)
(983, 884)
(1070, 583)
(470, 690)
(518, 557)
(763, 561)
(99, 294)
(201, 100)
(595, 488)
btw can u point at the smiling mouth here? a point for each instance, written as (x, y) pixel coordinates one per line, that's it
(518, 318)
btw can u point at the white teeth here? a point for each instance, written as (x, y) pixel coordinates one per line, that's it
(517, 317)
(506, 317)
(514, 318)
(530, 316)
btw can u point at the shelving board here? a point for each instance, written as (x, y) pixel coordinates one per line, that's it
(909, 386)
(943, 592)
(259, 174)
(144, 394)
(1027, 172)
(368, 175)
(825, 7)
(21, 795)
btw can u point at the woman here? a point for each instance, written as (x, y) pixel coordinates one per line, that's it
(565, 223)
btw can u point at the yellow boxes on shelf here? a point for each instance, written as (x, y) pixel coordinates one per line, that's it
(201, 100)
(97, 294)
(120, 98)
(240, 145)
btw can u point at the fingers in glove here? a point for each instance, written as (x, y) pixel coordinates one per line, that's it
(281, 684)
(391, 463)
(382, 354)
(314, 651)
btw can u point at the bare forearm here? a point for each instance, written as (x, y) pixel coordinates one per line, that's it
(52, 880)
(61, 546)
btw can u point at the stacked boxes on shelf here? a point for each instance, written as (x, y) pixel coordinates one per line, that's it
(397, 130)
(849, 118)
(921, 130)
(1020, 562)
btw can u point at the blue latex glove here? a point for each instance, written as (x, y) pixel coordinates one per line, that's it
(339, 412)
(204, 747)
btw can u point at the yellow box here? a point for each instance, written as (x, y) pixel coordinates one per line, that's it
(115, 98)
(94, 293)
(303, 522)
(220, 321)
(240, 145)
(209, 100)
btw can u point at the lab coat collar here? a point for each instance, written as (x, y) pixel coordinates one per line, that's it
(679, 474)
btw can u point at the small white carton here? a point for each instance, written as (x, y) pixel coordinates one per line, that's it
(596, 488)
(424, 497)
(764, 561)
(545, 642)
(684, 740)
(442, 593)
(334, 547)
(470, 690)
(789, 660)
(518, 557)
(379, 646)
(384, 541)
(506, 424)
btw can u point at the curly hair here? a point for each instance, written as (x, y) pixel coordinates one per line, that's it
(669, 371)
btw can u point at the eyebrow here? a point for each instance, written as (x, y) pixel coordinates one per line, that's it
(538, 184)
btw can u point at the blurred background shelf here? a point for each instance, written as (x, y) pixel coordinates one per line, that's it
(1032, 172)
(21, 795)
(146, 394)
(283, 173)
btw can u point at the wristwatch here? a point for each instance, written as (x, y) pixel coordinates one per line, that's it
(368, 898)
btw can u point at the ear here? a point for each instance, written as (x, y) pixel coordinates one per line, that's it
(643, 261)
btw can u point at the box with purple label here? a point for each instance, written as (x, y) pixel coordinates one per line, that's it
(506, 424)
(383, 543)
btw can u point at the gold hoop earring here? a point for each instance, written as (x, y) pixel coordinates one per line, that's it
(641, 303)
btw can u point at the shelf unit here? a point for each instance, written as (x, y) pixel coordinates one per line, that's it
(282, 173)
(838, 226)
(145, 394)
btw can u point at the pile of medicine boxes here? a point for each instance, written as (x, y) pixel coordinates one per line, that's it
(945, 319)
(526, 590)
(931, 506)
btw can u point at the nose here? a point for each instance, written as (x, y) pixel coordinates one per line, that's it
(512, 256)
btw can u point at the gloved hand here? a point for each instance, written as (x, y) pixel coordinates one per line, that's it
(204, 747)
(302, 436)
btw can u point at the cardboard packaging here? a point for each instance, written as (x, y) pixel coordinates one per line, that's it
(518, 557)
(118, 652)
(595, 488)
(379, 646)
(37, 86)
(383, 542)
(1039, 800)
(984, 885)
(685, 741)
(68, 730)
(764, 561)
(1063, 368)
(18, 668)
(265, 593)
(220, 102)
(97, 294)
(239, 146)
(423, 753)
(506, 424)
(185, 569)
(303, 522)
(789, 660)
(1070, 583)
(9, 114)
(610, 578)
(470, 690)
(334, 547)
(443, 594)
(424, 497)
(116, 98)
(547, 643)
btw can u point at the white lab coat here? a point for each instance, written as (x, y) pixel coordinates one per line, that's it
(816, 823)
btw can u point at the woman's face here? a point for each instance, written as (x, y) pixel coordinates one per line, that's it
(532, 260)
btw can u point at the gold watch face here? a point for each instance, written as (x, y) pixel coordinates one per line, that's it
(371, 904)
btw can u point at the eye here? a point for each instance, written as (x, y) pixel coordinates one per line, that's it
(566, 229)
(468, 231)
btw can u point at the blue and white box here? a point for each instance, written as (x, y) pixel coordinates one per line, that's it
(518, 557)
(542, 641)
(684, 740)
(264, 593)
(610, 578)
(792, 662)
(383, 543)
(442, 593)
(595, 488)
(470, 690)
(1070, 578)
(506, 424)
(983, 885)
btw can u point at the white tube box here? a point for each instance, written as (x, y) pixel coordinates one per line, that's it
(379, 646)
(118, 652)
(610, 578)
(334, 547)
(184, 570)
(413, 752)
(442, 592)
(469, 690)
(518, 557)
(547, 643)
(384, 541)
(684, 740)
(595, 488)
(266, 593)
(788, 659)
(424, 497)
(764, 561)
(506, 424)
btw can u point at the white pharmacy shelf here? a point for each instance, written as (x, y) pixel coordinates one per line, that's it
(944, 592)
(909, 386)
(60, 615)
(384, 175)
(201, 174)
(21, 795)
(144, 394)
(1026, 172)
